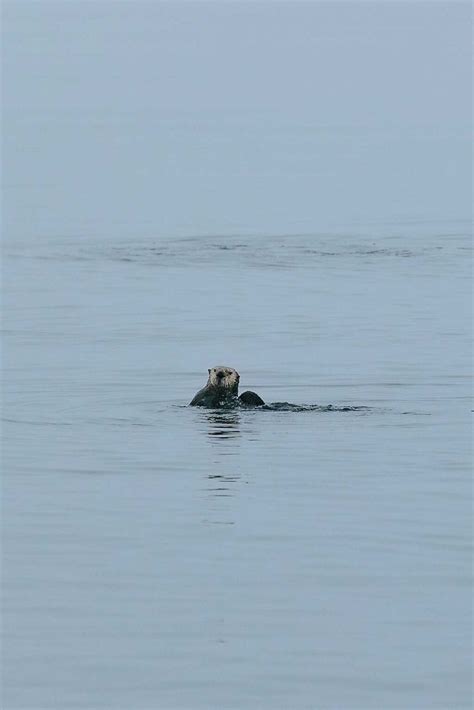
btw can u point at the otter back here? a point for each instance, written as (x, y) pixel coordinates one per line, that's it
(251, 399)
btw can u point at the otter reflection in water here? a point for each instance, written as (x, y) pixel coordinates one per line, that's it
(223, 424)
(222, 390)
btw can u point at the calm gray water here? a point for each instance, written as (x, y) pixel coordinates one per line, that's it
(158, 556)
(278, 187)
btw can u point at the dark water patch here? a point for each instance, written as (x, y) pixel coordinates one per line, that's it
(417, 414)
(125, 422)
(362, 252)
(231, 247)
(223, 423)
(35, 423)
(227, 414)
(288, 407)
(384, 252)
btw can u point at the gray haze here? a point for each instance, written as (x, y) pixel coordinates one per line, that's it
(285, 189)
(131, 118)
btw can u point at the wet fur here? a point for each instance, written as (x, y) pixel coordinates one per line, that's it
(222, 389)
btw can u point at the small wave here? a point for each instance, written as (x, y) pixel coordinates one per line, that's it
(32, 422)
(252, 251)
(288, 407)
(231, 408)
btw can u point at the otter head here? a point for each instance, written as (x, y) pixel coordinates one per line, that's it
(224, 377)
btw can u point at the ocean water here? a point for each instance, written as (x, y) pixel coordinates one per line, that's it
(161, 556)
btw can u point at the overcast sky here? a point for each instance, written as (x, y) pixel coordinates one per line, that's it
(126, 118)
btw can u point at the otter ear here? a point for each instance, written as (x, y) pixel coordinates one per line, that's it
(209, 370)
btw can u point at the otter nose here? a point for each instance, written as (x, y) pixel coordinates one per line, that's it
(220, 375)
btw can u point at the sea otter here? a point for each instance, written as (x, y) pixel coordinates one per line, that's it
(222, 389)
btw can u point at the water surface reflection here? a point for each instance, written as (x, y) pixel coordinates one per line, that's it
(223, 424)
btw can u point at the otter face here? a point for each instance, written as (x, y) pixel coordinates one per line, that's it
(226, 377)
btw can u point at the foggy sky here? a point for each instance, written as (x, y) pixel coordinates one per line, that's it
(137, 118)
